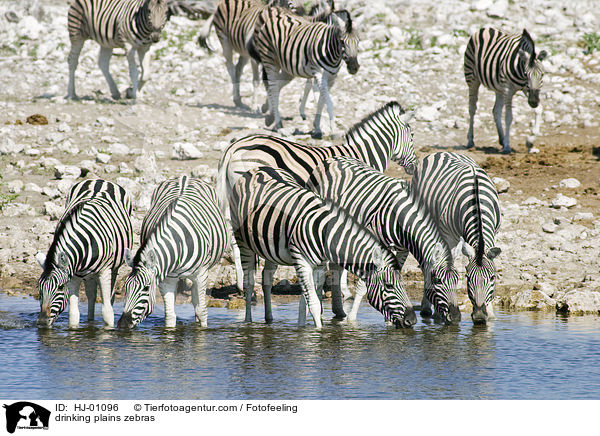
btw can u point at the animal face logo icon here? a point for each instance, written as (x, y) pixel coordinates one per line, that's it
(26, 415)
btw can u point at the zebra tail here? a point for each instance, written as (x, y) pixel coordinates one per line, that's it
(221, 188)
(252, 51)
(203, 36)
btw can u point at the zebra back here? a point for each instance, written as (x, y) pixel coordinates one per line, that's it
(279, 220)
(382, 136)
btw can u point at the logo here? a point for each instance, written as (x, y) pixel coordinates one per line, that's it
(26, 415)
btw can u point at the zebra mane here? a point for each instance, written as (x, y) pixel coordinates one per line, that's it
(374, 115)
(344, 15)
(52, 251)
(480, 242)
(526, 44)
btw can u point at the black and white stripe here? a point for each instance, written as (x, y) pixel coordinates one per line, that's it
(183, 236)
(289, 47)
(89, 244)
(505, 63)
(130, 24)
(387, 208)
(380, 137)
(463, 201)
(277, 219)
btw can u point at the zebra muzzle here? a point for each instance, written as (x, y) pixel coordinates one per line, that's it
(44, 320)
(410, 319)
(479, 314)
(126, 321)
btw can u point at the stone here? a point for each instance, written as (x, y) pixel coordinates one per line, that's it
(67, 172)
(579, 302)
(15, 186)
(501, 184)
(185, 151)
(102, 158)
(563, 201)
(30, 28)
(51, 192)
(532, 300)
(549, 227)
(53, 210)
(569, 183)
(32, 187)
(118, 148)
(200, 171)
(583, 216)
(8, 146)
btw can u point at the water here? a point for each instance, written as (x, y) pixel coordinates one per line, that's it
(519, 356)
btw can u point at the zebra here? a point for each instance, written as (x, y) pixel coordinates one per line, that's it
(131, 24)
(464, 203)
(234, 22)
(288, 47)
(505, 63)
(276, 218)
(183, 236)
(386, 206)
(88, 245)
(381, 136)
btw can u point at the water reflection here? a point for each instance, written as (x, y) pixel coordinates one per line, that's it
(520, 355)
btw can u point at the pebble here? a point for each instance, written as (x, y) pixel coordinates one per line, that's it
(549, 227)
(66, 171)
(563, 201)
(53, 210)
(185, 151)
(569, 183)
(502, 185)
(102, 158)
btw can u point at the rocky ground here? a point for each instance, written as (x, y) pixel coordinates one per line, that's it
(410, 51)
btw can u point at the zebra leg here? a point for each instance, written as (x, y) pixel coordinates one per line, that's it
(144, 65)
(507, 122)
(199, 297)
(113, 282)
(91, 289)
(248, 260)
(133, 74)
(305, 273)
(168, 290)
(497, 111)
(104, 280)
(228, 53)
(535, 131)
(361, 290)
(323, 96)
(267, 284)
(73, 289)
(473, 97)
(337, 305)
(426, 307)
(343, 281)
(307, 88)
(76, 46)
(103, 63)
(239, 68)
(328, 85)
(239, 271)
(255, 85)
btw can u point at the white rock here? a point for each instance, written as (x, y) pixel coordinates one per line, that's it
(30, 28)
(32, 187)
(124, 168)
(15, 186)
(200, 171)
(64, 186)
(549, 227)
(105, 121)
(118, 148)
(67, 147)
(501, 184)
(570, 183)
(583, 216)
(563, 201)
(580, 302)
(51, 192)
(185, 151)
(8, 146)
(66, 172)
(102, 158)
(53, 210)
(88, 166)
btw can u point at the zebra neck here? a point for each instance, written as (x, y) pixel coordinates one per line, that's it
(143, 26)
(372, 147)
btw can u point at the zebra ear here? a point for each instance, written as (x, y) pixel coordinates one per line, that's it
(62, 260)
(467, 250)
(407, 116)
(524, 56)
(438, 253)
(542, 55)
(41, 259)
(378, 257)
(129, 257)
(151, 259)
(493, 253)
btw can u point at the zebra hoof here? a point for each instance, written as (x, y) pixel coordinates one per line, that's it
(130, 94)
(470, 145)
(240, 105)
(269, 119)
(316, 134)
(303, 116)
(506, 150)
(264, 108)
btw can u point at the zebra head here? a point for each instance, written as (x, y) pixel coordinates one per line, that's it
(349, 40)
(53, 296)
(403, 152)
(157, 16)
(441, 283)
(533, 69)
(140, 288)
(386, 293)
(481, 280)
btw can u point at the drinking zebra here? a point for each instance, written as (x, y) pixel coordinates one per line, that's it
(88, 245)
(463, 201)
(505, 63)
(388, 209)
(234, 22)
(288, 47)
(277, 219)
(183, 236)
(381, 136)
(130, 24)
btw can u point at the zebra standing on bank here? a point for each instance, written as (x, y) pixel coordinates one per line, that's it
(277, 219)
(183, 236)
(130, 24)
(88, 245)
(234, 22)
(463, 201)
(288, 47)
(381, 136)
(505, 63)
(385, 206)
